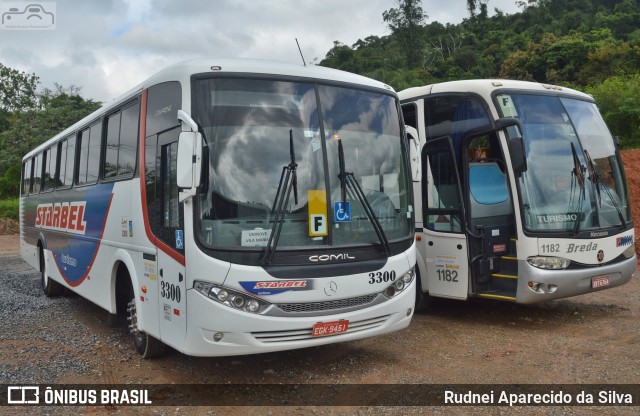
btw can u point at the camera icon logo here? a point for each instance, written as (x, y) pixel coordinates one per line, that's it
(35, 16)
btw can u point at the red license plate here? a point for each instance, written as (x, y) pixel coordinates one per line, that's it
(322, 329)
(600, 281)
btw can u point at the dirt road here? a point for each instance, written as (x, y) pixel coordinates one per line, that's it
(587, 339)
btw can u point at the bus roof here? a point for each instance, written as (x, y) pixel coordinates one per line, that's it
(182, 72)
(486, 87)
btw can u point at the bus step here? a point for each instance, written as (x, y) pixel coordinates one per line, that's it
(504, 276)
(498, 295)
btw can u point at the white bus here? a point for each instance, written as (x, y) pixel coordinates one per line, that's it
(522, 195)
(228, 207)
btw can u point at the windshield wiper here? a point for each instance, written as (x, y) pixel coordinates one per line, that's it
(288, 181)
(578, 172)
(347, 179)
(596, 179)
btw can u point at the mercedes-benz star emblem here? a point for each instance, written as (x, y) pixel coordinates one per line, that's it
(331, 288)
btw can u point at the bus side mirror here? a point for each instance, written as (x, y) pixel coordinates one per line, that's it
(189, 160)
(413, 141)
(513, 129)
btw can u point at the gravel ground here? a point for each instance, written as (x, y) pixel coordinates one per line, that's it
(587, 339)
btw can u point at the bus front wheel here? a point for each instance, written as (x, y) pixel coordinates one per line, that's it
(146, 345)
(50, 287)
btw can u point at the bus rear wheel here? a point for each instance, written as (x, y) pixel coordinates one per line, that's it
(50, 287)
(146, 345)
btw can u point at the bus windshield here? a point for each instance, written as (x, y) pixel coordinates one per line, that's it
(575, 180)
(255, 128)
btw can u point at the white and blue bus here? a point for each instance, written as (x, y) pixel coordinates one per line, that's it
(228, 207)
(521, 193)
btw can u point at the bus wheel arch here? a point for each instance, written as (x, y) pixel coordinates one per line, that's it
(50, 287)
(127, 309)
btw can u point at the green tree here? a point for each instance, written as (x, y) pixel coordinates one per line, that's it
(405, 22)
(618, 98)
(55, 110)
(17, 89)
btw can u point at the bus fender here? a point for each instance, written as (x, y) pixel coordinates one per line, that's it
(422, 272)
(124, 257)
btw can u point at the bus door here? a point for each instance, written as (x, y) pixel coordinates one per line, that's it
(170, 232)
(490, 218)
(447, 261)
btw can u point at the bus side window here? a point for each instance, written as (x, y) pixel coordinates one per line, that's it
(67, 150)
(166, 214)
(441, 191)
(170, 205)
(26, 177)
(37, 174)
(89, 165)
(51, 158)
(122, 143)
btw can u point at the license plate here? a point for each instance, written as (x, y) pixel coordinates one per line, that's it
(600, 281)
(322, 329)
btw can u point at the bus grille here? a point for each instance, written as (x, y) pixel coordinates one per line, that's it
(306, 334)
(326, 306)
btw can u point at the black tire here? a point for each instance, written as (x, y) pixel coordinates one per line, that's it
(146, 345)
(50, 287)
(423, 300)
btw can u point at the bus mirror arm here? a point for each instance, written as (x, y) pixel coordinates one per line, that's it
(189, 160)
(513, 129)
(187, 121)
(413, 141)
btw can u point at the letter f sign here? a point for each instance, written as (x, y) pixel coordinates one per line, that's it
(318, 225)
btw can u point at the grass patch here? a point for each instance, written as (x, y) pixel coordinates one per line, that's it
(10, 208)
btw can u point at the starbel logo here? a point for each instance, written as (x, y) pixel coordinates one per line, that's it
(331, 257)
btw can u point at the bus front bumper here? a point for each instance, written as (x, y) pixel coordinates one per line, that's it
(538, 285)
(218, 330)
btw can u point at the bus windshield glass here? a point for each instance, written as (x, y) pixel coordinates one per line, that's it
(255, 128)
(574, 179)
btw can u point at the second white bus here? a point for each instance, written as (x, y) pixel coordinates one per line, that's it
(521, 192)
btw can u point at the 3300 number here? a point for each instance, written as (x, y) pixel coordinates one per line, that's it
(379, 277)
(170, 291)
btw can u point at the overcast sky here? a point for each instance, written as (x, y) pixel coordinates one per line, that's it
(108, 46)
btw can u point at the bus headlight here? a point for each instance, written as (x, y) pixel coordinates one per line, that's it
(400, 284)
(549, 263)
(231, 298)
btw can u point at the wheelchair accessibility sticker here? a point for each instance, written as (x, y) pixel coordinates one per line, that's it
(341, 212)
(179, 240)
